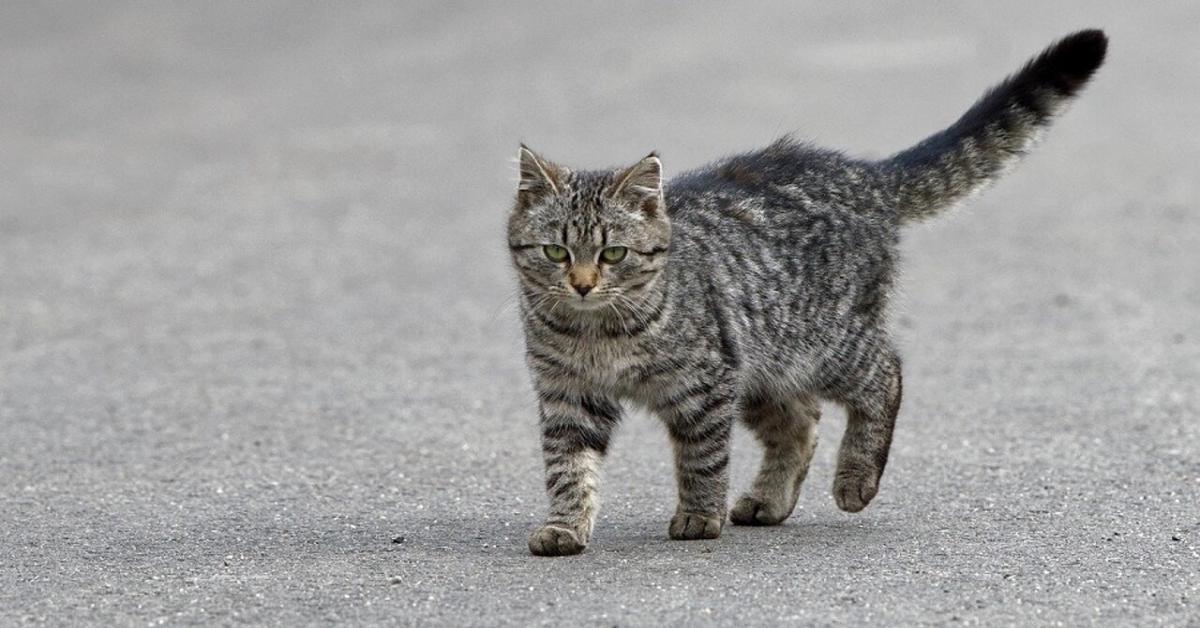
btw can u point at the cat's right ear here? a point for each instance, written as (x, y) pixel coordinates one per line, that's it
(539, 178)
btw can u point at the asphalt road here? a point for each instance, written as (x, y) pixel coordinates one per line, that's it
(259, 360)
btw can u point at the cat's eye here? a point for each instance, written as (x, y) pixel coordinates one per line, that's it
(613, 254)
(556, 253)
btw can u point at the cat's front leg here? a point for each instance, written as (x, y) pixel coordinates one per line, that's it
(699, 417)
(575, 432)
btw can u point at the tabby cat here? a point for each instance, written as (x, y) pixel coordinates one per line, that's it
(748, 289)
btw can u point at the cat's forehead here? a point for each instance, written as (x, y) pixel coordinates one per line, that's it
(588, 188)
(584, 205)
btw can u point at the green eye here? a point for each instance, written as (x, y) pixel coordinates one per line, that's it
(613, 254)
(556, 253)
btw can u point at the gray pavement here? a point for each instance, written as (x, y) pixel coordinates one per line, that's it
(256, 317)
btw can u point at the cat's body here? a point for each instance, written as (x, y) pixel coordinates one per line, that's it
(749, 290)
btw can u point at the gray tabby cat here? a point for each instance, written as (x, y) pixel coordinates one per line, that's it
(748, 289)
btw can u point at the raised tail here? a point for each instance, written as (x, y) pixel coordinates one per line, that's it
(951, 165)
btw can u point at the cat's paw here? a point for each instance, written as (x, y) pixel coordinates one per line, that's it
(854, 492)
(552, 540)
(755, 511)
(687, 526)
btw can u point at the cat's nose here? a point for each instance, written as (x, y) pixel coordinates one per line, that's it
(582, 290)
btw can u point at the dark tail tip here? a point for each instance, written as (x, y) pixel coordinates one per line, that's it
(1068, 64)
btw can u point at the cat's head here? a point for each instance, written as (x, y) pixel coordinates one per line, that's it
(589, 239)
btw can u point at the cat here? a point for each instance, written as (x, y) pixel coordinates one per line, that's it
(749, 289)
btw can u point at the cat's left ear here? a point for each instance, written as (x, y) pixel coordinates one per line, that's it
(641, 183)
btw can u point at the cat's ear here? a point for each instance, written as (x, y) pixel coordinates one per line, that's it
(539, 178)
(641, 183)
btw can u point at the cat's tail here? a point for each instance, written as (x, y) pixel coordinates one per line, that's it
(949, 166)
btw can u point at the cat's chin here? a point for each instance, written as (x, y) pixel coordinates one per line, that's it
(587, 305)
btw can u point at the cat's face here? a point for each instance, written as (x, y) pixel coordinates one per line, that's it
(588, 240)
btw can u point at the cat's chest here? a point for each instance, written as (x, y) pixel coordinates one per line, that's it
(610, 364)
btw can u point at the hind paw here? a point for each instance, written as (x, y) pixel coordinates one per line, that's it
(854, 492)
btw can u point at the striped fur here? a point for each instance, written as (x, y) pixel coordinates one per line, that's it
(751, 289)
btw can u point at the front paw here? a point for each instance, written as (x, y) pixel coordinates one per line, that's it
(554, 540)
(688, 526)
(751, 510)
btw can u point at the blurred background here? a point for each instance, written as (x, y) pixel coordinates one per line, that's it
(260, 358)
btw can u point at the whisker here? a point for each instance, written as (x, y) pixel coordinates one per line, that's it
(619, 317)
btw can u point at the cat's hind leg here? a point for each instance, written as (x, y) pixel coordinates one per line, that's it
(787, 431)
(872, 400)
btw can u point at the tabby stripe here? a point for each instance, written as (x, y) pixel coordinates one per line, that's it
(523, 247)
(642, 324)
(711, 405)
(547, 377)
(678, 398)
(707, 444)
(728, 343)
(547, 339)
(695, 478)
(695, 434)
(555, 326)
(574, 437)
(528, 274)
(638, 286)
(708, 464)
(555, 396)
(552, 479)
(652, 252)
(552, 362)
(600, 408)
(564, 489)
(655, 369)
(553, 418)
(595, 407)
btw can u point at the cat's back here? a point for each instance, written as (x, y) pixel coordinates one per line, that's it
(789, 196)
(784, 185)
